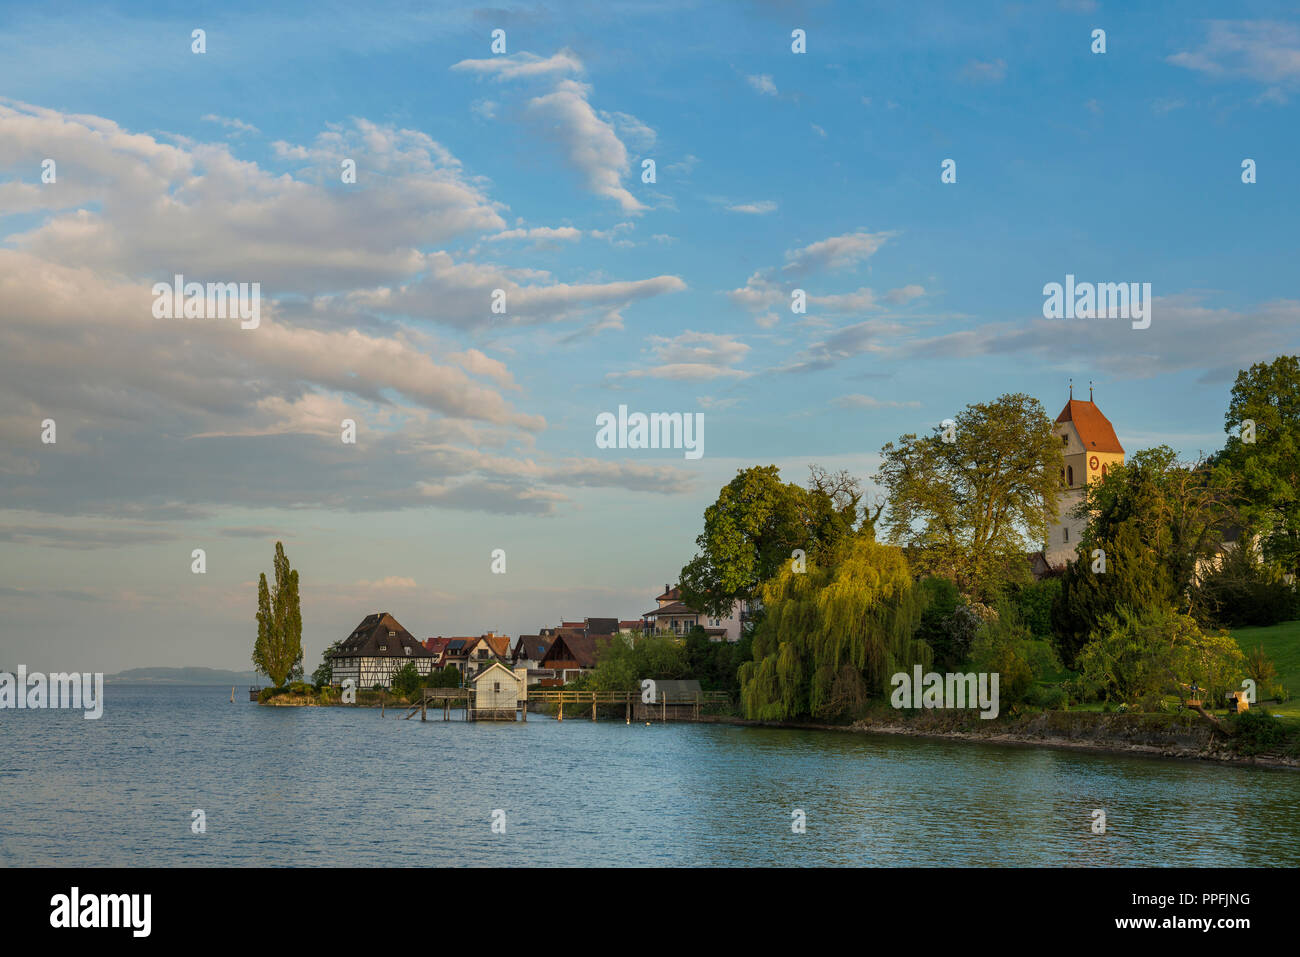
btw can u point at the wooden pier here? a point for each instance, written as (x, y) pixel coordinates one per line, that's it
(667, 707)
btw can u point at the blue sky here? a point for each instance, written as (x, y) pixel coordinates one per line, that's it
(775, 171)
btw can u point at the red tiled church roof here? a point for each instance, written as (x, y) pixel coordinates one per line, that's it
(1095, 431)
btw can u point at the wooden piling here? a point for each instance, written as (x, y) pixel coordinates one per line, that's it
(424, 707)
(629, 709)
(593, 707)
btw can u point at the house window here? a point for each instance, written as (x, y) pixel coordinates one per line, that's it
(496, 687)
(1065, 440)
(392, 634)
(1067, 533)
(408, 652)
(1103, 471)
(1070, 473)
(383, 647)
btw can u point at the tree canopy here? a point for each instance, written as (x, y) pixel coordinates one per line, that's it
(277, 651)
(1268, 468)
(833, 634)
(757, 523)
(972, 500)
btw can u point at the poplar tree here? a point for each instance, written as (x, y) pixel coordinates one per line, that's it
(277, 653)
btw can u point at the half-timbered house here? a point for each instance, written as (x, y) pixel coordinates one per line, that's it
(375, 650)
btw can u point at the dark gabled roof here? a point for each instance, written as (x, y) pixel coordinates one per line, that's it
(532, 647)
(374, 631)
(575, 646)
(670, 594)
(1095, 431)
(602, 626)
(676, 608)
(633, 624)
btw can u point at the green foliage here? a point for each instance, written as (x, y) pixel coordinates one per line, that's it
(1033, 602)
(1256, 731)
(833, 634)
(1242, 590)
(406, 679)
(1268, 393)
(1048, 697)
(972, 508)
(324, 673)
(301, 687)
(277, 651)
(1004, 645)
(1139, 657)
(713, 663)
(757, 522)
(1134, 578)
(940, 598)
(443, 678)
(622, 664)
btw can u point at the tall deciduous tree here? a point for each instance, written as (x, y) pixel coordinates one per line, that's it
(755, 526)
(1267, 396)
(834, 634)
(277, 652)
(972, 500)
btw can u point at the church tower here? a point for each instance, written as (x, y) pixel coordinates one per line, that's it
(1091, 447)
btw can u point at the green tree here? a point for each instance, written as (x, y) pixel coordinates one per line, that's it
(971, 508)
(834, 634)
(324, 673)
(277, 651)
(755, 525)
(406, 679)
(1268, 469)
(1182, 508)
(1005, 645)
(1133, 578)
(1142, 657)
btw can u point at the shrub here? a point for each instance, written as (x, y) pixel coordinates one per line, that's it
(1048, 697)
(1139, 657)
(1256, 731)
(301, 687)
(1005, 646)
(1242, 591)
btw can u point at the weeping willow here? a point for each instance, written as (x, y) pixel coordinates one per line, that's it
(833, 635)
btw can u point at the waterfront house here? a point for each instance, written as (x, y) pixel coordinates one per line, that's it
(438, 648)
(528, 653)
(484, 650)
(375, 650)
(676, 617)
(499, 692)
(572, 652)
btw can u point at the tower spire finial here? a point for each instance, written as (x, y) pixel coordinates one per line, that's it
(1071, 388)
(1089, 390)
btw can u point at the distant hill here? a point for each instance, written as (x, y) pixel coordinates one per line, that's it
(186, 676)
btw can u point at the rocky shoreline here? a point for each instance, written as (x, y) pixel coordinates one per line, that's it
(1134, 734)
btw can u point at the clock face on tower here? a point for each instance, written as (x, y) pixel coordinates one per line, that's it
(1092, 463)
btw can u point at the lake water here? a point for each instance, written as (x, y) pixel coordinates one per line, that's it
(336, 786)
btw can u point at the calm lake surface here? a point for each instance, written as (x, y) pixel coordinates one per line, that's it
(336, 786)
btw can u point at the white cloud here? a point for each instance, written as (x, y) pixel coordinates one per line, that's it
(759, 208)
(523, 66)
(763, 83)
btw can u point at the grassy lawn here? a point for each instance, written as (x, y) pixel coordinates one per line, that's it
(1282, 644)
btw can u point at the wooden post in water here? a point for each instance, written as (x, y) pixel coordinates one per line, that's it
(697, 706)
(232, 694)
(593, 706)
(629, 708)
(424, 705)
(382, 700)
(663, 713)
(561, 718)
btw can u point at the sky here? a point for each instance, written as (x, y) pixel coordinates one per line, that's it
(525, 171)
